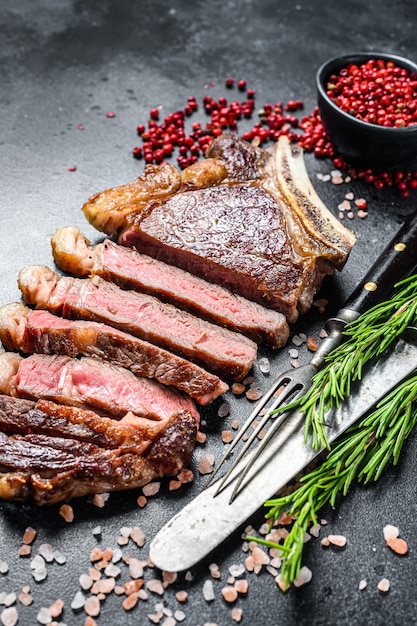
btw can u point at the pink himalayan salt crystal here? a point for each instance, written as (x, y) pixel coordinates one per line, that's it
(303, 577)
(384, 585)
(390, 532)
(337, 540)
(259, 556)
(9, 616)
(66, 511)
(236, 614)
(205, 465)
(241, 585)
(156, 586)
(229, 594)
(151, 489)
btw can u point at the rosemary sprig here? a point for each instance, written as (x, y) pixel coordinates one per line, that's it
(365, 338)
(360, 455)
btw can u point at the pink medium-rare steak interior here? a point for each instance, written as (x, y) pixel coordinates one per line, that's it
(91, 383)
(228, 354)
(39, 331)
(131, 270)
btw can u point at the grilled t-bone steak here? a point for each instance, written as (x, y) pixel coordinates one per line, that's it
(255, 225)
(52, 452)
(226, 353)
(131, 270)
(90, 383)
(39, 331)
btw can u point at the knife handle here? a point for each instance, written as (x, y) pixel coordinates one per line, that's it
(393, 264)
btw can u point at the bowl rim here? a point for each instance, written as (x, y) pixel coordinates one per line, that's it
(344, 61)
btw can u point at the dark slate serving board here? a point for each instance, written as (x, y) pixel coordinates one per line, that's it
(68, 63)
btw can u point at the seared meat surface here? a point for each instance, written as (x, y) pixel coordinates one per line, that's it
(131, 270)
(52, 452)
(261, 231)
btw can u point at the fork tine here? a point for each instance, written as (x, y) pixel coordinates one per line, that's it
(257, 452)
(288, 391)
(283, 379)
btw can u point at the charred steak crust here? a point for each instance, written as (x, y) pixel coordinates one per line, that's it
(50, 452)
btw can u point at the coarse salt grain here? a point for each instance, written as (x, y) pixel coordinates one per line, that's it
(130, 601)
(254, 394)
(241, 586)
(78, 601)
(186, 475)
(29, 535)
(229, 594)
(9, 616)
(205, 465)
(151, 489)
(227, 436)
(337, 540)
(224, 409)
(397, 545)
(138, 536)
(179, 615)
(238, 389)
(384, 585)
(67, 513)
(362, 584)
(142, 501)
(201, 437)
(56, 608)
(182, 596)
(390, 532)
(4, 567)
(303, 577)
(208, 590)
(312, 344)
(92, 606)
(155, 586)
(264, 365)
(25, 599)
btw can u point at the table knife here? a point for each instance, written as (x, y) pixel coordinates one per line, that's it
(205, 522)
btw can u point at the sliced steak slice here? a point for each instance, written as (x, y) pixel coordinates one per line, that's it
(262, 231)
(90, 383)
(39, 331)
(227, 354)
(131, 270)
(52, 452)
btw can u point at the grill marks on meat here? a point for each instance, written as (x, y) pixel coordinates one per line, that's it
(90, 383)
(262, 231)
(52, 452)
(224, 352)
(131, 270)
(39, 331)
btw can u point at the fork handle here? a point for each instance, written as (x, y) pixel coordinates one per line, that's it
(396, 260)
(394, 263)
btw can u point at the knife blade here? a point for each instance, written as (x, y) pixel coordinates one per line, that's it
(205, 522)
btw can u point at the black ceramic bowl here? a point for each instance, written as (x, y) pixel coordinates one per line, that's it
(363, 143)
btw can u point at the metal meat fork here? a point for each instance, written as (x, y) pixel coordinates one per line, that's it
(394, 263)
